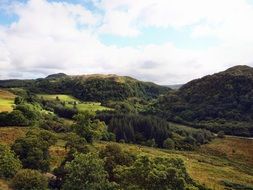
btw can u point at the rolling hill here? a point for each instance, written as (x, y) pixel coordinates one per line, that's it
(222, 101)
(94, 87)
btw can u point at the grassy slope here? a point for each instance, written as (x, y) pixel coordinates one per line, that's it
(6, 100)
(62, 97)
(208, 168)
(81, 106)
(223, 159)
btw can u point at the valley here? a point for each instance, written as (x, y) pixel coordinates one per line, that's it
(119, 127)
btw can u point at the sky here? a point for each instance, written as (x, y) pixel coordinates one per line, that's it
(164, 41)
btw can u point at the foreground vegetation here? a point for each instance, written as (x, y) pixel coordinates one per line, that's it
(212, 165)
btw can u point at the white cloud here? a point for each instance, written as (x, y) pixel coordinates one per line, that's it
(61, 37)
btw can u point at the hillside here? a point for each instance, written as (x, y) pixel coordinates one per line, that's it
(219, 101)
(94, 87)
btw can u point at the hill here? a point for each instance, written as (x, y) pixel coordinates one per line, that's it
(222, 101)
(95, 87)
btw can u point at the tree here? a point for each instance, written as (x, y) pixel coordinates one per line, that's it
(153, 173)
(9, 164)
(88, 128)
(14, 118)
(86, 171)
(28, 179)
(169, 144)
(33, 149)
(113, 156)
(31, 112)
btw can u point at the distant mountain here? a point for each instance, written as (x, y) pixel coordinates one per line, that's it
(174, 86)
(96, 87)
(219, 101)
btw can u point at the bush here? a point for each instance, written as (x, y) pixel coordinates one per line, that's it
(154, 173)
(14, 118)
(33, 149)
(169, 144)
(86, 171)
(29, 180)
(221, 134)
(9, 164)
(113, 156)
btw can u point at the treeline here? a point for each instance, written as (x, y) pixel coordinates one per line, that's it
(153, 131)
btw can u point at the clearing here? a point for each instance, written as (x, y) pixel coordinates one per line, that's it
(69, 101)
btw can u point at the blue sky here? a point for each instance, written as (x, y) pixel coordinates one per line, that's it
(165, 41)
(181, 38)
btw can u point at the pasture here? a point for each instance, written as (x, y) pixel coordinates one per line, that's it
(69, 102)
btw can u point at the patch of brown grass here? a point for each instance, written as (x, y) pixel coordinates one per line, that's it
(4, 185)
(8, 135)
(57, 154)
(235, 149)
(6, 94)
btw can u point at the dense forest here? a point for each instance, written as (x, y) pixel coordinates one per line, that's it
(219, 102)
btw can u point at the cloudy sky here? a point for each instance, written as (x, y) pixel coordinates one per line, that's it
(165, 41)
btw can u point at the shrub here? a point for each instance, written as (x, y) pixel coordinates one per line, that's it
(9, 164)
(169, 144)
(86, 171)
(221, 134)
(28, 179)
(33, 149)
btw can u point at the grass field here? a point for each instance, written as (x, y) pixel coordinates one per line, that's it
(81, 106)
(228, 159)
(6, 100)
(62, 97)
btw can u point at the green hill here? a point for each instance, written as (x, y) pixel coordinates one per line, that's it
(90, 87)
(222, 101)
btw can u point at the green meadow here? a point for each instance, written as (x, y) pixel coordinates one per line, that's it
(69, 101)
